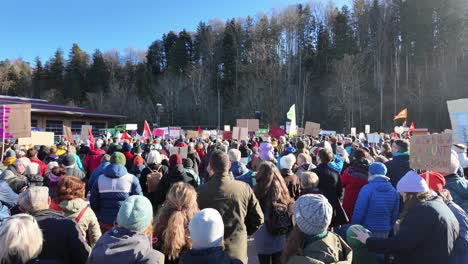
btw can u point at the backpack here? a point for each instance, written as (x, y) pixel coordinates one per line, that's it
(279, 220)
(153, 178)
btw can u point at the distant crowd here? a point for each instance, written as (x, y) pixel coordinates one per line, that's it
(327, 199)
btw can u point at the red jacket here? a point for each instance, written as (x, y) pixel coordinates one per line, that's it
(352, 180)
(93, 160)
(42, 165)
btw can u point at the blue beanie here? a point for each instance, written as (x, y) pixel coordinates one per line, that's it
(136, 213)
(378, 168)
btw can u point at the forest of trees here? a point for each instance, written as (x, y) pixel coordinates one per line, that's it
(342, 67)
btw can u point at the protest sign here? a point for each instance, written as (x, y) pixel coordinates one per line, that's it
(131, 127)
(84, 132)
(458, 111)
(38, 139)
(276, 132)
(239, 133)
(16, 120)
(431, 152)
(68, 133)
(158, 132)
(205, 134)
(179, 150)
(312, 129)
(420, 132)
(250, 124)
(373, 138)
(327, 132)
(174, 132)
(300, 131)
(353, 131)
(227, 128)
(261, 132)
(192, 134)
(367, 129)
(227, 135)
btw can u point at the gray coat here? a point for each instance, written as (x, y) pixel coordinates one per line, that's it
(120, 245)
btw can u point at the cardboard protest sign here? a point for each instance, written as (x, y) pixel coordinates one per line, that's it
(68, 133)
(367, 129)
(353, 131)
(205, 134)
(179, 150)
(458, 111)
(84, 132)
(16, 120)
(373, 138)
(192, 134)
(227, 128)
(431, 152)
(250, 124)
(240, 133)
(312, 129)
(38, 138)
(300, 131)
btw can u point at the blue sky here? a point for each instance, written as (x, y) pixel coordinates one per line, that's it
(30, 28)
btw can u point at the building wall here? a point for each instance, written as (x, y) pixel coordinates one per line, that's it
(40, 121)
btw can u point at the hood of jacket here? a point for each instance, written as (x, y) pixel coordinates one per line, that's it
(73, 206)
(45, 214)
(330, 249)
(115, 170)
(97, 152)
(380, 183)
(336, 164)
(238, 169)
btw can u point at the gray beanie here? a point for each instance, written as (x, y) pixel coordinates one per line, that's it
(313, 213)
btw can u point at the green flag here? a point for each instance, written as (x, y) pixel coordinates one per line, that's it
(291, 115)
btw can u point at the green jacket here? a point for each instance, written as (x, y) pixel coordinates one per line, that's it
(238, 206)
(330, 249)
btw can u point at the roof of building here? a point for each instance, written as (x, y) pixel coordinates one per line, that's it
(43, 106)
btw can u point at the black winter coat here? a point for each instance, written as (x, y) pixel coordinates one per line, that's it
(427, 235)
(210, 255)
(397, 168)
(331, 188)
(62, 239)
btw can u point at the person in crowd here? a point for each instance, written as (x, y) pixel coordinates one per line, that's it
(200, 149)
(458, 186)
(398, 166)
(8, 200)
(9, 158)
(93, 158)
(387, 150)
(33, 174)
(460, 149)
(304, 163)
(266, 153)
(292, 181)
(309, 183)
(171, 227)
(52, 156)
(175, 174)
(70, 197)
(32, 156)
(436, 183)
(235, 201)
(63, 241)
(130, 240)
(137, 162)
(330, 186)
(78, 164)
(69, 163)
(153, 162)
(192, 154)
(42, 153)
(426, 230)
(206, 233)
(353, 178)
(20, 240)
(54, 177)
(310, 241)
(377, 205)
(111, 189)
(190, 170)
(273, 196)
(238, 169)
(105, 161)
(17, 169)
(126, 150)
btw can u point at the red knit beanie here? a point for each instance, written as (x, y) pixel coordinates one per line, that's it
(174, 160)
(436, 181)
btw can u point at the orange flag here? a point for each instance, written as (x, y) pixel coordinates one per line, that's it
(402, 114)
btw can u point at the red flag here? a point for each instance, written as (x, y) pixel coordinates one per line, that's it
(275, 132)
(199, 130)
(91, 139)
(411, 127)
(146, 131)
(125, 136)
(402, 115)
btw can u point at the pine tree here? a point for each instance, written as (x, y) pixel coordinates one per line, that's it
(76, 74)
(39, 79)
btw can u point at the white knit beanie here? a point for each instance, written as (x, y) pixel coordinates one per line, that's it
(287, 162)
(412, 183)
(206, 229)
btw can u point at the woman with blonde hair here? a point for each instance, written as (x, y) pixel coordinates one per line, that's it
(171, 228)
(14, 232)
(277, 204)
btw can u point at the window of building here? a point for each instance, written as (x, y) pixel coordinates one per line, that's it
(96, 127)
(76, 127)
(55, 126)
(33, 122)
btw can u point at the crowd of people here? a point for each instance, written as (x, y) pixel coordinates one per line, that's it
(327, 199)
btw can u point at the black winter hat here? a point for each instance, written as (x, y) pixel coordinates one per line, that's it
(68, 160)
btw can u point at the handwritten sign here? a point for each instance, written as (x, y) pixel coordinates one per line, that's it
(179, 150)
(458, 111)
(84, 132)
(158, 132)
(373, 138)
(353, 131)
(261, 132)
(250, 124)
(68, 133)
(312, 129)
(240, 133)
(192, 134)
(367, 129)
(431, 152)
(38, 139)
(16, 120)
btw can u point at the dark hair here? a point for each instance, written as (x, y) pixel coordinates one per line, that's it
(31, 153)
(325, 155)
(271, 186)
(59, 171)
(360, 154)
(403, 145)
(69, 188)
(219, 161)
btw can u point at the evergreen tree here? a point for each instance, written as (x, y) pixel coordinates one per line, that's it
(39, 79)
(98, 74)
(76, 74)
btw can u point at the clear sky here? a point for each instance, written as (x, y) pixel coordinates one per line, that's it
(30, 28)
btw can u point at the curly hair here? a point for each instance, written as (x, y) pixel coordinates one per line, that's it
(69, 188)
(173, 219)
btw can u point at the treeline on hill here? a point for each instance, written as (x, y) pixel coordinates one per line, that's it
(341, 67)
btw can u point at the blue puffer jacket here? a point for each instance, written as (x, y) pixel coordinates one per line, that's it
(337, 164)
(96, 173)
(458, 188)
(110, 190)
(241, 173)
(377, 205)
